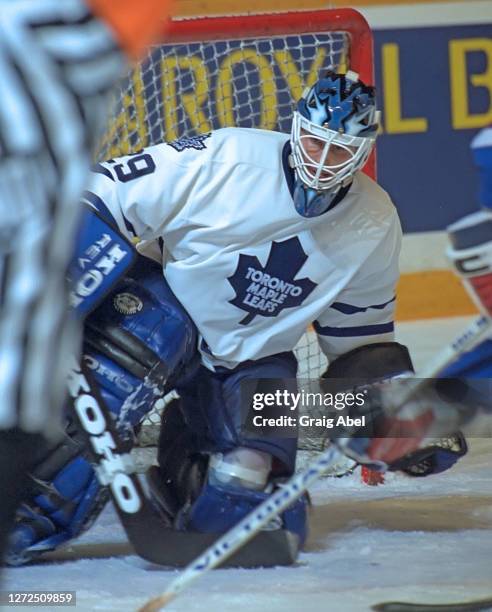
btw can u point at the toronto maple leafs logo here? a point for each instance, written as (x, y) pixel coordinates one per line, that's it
(266, 291)
(190, 142)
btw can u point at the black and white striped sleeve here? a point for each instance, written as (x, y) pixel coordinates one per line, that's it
(58, 63)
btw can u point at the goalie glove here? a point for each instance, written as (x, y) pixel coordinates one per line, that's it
(392, 430)
(439, 456)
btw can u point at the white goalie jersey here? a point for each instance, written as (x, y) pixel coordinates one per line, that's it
(251, 272)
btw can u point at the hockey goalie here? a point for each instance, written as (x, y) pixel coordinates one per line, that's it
(245, 238)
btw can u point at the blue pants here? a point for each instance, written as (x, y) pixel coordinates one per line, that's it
(213, 406)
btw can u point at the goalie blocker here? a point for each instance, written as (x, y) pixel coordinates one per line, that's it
(388, 441)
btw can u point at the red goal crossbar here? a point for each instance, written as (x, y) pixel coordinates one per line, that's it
(277, 24)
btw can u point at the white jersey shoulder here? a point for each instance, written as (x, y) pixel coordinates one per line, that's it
(247, 146)
(149, 190)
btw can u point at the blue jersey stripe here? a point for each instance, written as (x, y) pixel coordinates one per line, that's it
(361, 330)
(349, 309)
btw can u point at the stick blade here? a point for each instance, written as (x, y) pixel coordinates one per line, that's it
(171, 548)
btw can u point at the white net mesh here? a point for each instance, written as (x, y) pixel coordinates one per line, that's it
(185, 89)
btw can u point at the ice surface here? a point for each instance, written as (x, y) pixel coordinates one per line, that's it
(414, 539)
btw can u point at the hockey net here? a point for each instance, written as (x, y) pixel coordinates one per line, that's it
(243, 71)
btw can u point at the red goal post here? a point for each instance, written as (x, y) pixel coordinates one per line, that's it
(283, 24)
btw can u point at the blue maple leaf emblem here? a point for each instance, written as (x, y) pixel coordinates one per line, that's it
(266, 291)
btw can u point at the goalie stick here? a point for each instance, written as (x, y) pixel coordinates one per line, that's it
(474, 605)
(248, 527)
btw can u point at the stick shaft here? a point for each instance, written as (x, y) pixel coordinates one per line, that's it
(479, 329)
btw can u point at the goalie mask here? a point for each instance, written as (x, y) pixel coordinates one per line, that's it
(333, 131)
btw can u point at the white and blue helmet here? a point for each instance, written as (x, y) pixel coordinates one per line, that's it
(337, 118)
